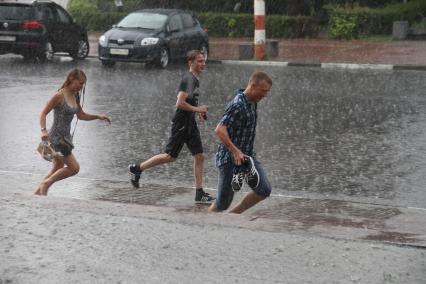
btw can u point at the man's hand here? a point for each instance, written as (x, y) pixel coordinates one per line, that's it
(239, 157)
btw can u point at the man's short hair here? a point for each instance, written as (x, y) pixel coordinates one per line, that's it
(260, 76)
(192, 55)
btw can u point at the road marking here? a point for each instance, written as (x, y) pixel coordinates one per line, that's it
(357, 66)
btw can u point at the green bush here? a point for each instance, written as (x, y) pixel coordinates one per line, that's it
(223, 25)
(371, 21)
(290, 26)
(242, 25)
(78, 7)
(343, 27)
(96, 17)
(81, 6)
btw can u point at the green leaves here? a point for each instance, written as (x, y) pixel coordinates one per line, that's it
(344, 27)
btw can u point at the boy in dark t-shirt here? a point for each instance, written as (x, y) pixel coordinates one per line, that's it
(184, 129)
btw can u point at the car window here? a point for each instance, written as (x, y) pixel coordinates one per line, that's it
(63, 16)
(175, 23)
(15, 12)
(188, 21)
(47, 14)
(143, 20)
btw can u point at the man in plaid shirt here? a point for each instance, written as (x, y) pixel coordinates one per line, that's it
(235, 156)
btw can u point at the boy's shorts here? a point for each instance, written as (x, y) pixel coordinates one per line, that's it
(181, 135)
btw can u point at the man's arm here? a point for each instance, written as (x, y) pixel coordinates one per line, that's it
(223, 135)
(182, 104)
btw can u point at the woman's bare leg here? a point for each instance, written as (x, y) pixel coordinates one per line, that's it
(72, 168)
(57, 164)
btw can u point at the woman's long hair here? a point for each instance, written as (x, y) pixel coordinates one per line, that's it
(75, 74)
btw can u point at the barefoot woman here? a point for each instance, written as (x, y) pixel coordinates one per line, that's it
(65, 104)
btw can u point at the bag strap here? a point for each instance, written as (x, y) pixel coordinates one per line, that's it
(80, 97)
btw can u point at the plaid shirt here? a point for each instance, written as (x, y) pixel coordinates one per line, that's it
(240, 120)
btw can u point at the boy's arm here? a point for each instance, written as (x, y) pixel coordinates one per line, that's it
(182, 104)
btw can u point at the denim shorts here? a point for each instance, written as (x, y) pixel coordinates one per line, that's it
(225, 193)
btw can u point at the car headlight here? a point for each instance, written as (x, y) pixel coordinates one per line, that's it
(149, 41)
(102, 40)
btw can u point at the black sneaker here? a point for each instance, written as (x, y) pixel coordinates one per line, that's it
(237, 180)
(252, 177)
(135, 175)
(203, 197)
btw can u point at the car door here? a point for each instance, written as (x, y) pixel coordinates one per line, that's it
(48, 18)
(68, 32)
(174, 30)
(191, 33)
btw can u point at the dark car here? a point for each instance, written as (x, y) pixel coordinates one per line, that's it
(153, 36)
(38, 29)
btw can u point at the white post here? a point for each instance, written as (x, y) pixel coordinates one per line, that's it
(259, 32)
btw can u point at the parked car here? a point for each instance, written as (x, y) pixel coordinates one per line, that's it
(153, 36)
(38, 29)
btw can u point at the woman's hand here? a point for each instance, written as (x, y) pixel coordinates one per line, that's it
(44, 134)
(105, 118)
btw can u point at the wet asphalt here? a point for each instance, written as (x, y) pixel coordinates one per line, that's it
(344, 150)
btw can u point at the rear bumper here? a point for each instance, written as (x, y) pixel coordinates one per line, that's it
(23, 43)
(20, 47)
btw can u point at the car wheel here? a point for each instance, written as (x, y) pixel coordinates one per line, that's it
(204, 50)
(46, 54)
(82, 50)
(164, 58)
(108, 63)
(29, 57)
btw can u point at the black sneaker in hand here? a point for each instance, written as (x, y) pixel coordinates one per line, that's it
(135, 175)
(252, 177)
(237, 180)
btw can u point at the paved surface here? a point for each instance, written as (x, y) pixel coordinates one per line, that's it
(59, 240)
(286, 240)
(321, 51)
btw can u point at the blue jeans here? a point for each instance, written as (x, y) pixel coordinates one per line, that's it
(225, 193)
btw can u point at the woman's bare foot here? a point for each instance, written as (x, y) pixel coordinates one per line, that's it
(37, 192)
(42, 189)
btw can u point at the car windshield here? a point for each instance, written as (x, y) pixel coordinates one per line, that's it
(15, 12)
(143, 20)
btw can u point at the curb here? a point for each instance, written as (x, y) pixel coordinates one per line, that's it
(410, 67)
(348, 66)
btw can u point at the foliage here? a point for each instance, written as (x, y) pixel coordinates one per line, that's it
(379, 20)
(218, 24)
(232, 23)
(343, 27)
(219, 18)
(77, 7)
(290, 27)
(241, 25)
(81, 6)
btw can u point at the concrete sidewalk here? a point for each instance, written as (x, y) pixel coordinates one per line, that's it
(61, 240)
(166, 238)
(314, 51)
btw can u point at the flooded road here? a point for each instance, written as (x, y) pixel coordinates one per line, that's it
(322, 133)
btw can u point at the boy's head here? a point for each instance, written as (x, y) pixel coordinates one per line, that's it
(196, 61)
